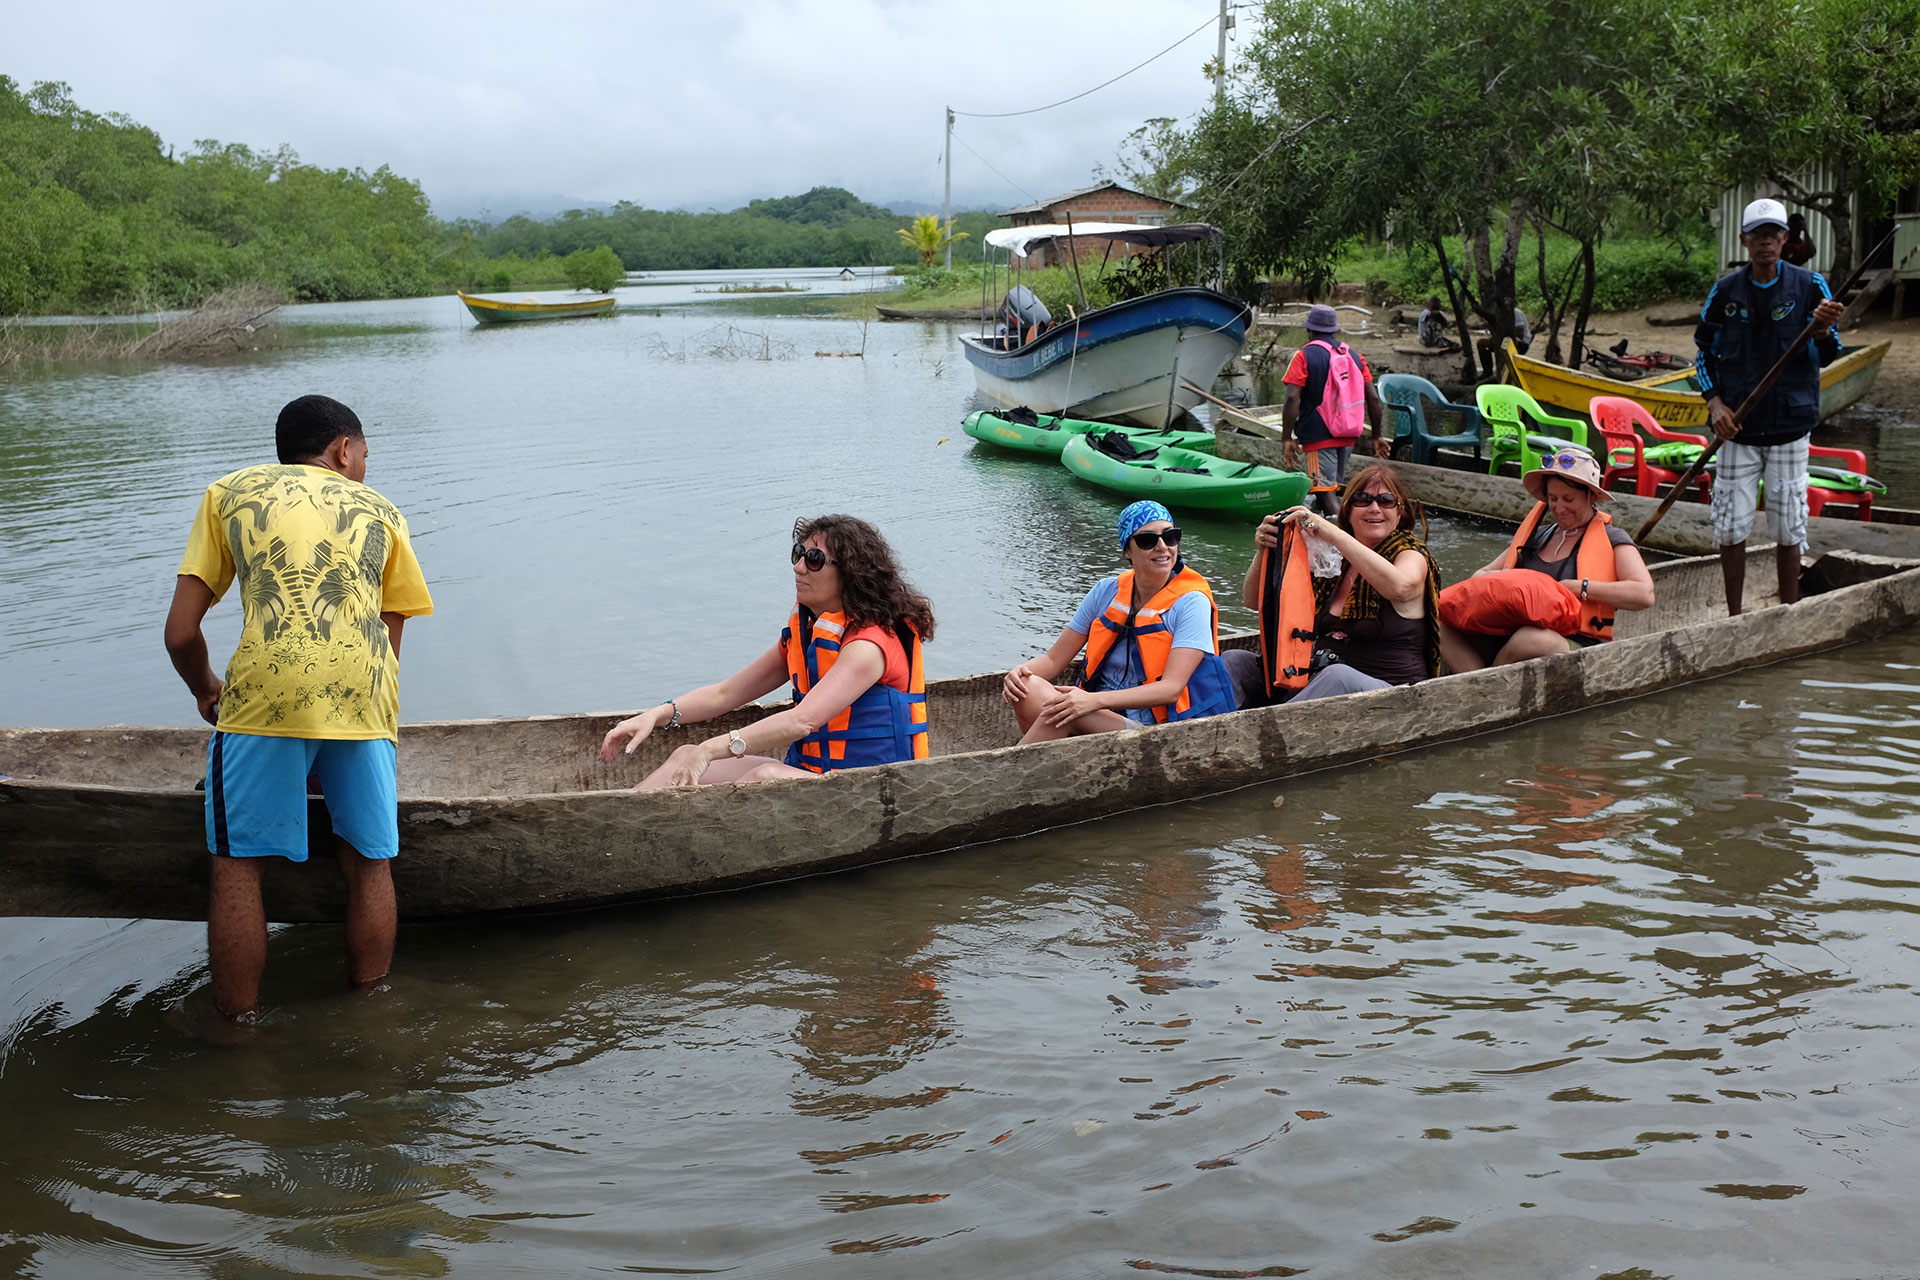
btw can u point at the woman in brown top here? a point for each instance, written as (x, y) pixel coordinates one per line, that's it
(1377, 618)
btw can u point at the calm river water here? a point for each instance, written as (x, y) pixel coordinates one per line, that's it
(1622, 994)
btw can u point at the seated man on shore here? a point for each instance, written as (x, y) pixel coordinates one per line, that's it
(1432, 327)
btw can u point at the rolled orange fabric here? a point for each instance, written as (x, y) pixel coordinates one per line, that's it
(1499, 604)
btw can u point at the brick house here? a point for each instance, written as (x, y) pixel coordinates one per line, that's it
(1104, 202)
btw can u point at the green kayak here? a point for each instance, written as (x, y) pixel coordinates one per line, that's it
(1181, 477)
(1027, 432)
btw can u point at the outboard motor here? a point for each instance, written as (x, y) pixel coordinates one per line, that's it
(1023, 317)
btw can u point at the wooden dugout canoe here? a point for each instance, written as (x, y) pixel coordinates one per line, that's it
(495, 311)
(1672, 398)
(502, 817)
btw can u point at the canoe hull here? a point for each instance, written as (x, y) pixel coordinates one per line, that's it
(495, 311)
(1126, 362)
(1673, 399)
(516, 816)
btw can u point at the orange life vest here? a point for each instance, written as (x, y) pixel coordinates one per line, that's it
(1594, 560)
(882, 726)
(1286, 610)
(1208, 691)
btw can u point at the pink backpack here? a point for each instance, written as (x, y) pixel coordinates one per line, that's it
(1343, 404)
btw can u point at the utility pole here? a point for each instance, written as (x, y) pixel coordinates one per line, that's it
(947, 222)
(1220, 58)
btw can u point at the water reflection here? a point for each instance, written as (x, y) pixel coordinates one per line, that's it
(1625, 990)
(1575, 974)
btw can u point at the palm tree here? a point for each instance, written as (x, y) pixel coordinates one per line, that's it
(927, 237)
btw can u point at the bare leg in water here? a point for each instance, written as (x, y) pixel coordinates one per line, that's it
(1733, 573)
(372, 915)
(236, 937)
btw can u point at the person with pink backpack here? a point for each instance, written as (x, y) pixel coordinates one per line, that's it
(1330, 399)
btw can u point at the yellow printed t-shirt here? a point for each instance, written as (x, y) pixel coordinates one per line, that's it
(319, 557)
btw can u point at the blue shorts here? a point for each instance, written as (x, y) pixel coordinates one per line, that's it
(257, 794)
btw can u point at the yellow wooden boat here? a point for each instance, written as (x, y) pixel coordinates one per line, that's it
(494, 311)
(1674, 398)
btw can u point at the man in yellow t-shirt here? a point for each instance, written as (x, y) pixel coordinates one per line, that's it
(327, 578)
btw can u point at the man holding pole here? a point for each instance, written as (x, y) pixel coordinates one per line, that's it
(1753, 318)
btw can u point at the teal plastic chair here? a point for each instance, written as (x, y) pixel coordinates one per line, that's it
(1405, 395)
(1508, 411)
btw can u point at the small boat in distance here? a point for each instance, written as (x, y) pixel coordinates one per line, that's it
(1126, 361)
(495, 311)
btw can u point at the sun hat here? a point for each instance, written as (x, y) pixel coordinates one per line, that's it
(1146, 511)
(1763, 212)
(1568, 462)
(1322, 319)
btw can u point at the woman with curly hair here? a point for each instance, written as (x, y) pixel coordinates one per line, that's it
(850, 649)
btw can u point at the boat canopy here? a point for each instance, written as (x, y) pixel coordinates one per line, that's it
(1020, 240)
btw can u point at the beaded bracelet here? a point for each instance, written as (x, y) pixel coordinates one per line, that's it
(675, 720)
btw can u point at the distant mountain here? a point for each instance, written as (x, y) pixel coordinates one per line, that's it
(828, 206)
(822, 206)
(914, 208)
(498, 206)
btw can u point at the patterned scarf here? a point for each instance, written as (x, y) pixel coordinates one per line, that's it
(1363, 602)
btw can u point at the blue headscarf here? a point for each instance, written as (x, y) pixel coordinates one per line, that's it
(1145, 511)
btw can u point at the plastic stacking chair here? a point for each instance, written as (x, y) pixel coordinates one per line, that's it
(1849, 460)
(1627, 426)
(1404, 395)
(1507, 411)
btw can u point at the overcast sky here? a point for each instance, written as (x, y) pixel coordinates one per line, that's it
(684, 104)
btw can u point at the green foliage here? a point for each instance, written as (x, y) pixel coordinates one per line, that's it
(1845, 103)
(926, 236)
(595, 269)
(1482, 122)
(1629, 273)
(1153, 160)
(95, 214)
(919, 282)
(830, 206)
(1055, 287)
(672, 240)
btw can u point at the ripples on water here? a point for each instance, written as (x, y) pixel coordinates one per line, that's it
(1625, 990)
(1624, 993)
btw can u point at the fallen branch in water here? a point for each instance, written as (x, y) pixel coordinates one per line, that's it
(228, 320)
(224, 321)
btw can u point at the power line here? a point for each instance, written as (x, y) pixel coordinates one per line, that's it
(1003, 177)
(1002, 115)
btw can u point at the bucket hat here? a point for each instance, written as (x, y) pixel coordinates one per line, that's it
(1569, 462)
(1322, 319)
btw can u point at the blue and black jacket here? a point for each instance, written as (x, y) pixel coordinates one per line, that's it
(1746, 326)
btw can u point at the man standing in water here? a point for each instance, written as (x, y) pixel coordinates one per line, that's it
(1751, 320)
(327, 579)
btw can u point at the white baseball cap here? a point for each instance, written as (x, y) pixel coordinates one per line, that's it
(1762, 212)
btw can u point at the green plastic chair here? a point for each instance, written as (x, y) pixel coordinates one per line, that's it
(1403, 394)
(1508, 410)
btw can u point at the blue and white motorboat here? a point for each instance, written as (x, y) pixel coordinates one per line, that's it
(1129, 361)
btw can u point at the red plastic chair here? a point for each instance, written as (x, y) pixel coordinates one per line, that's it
(1622, 421)
(1847, 459)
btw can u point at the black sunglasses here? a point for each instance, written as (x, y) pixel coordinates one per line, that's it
(1364, 499)
(816, 558)
(1147, 539)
